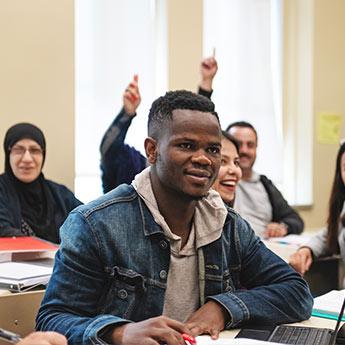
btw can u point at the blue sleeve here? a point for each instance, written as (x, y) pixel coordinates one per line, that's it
(71, 302)
(273, 293)
(119, 161)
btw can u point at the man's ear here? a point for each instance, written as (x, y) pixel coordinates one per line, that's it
(151, 147)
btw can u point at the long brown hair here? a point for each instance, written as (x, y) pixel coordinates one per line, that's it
(336, 202)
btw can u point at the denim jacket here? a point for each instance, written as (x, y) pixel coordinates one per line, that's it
(113, 262)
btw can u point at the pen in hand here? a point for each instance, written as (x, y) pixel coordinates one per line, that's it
(190, 340)
(11, 337)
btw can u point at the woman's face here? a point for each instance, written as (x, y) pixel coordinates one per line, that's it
(229, 173)
(342, 167)
(26, 159)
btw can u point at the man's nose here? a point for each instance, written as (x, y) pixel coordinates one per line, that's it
(243, 148)
(201, 158)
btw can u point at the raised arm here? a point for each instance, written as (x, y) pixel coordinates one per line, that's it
(208, 70)
(116, 133)
(120, 162)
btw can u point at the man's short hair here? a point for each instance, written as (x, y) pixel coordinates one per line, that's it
(242, 124)
(162, 108)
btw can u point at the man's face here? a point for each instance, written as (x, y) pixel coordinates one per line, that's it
(187, 154)
(248, 144)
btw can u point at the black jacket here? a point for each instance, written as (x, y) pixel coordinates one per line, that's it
(281, 211)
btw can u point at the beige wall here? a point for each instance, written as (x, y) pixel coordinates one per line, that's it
(329, 96)
(37, 77)
(185, 43)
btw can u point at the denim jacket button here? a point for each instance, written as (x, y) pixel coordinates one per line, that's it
(163, 244)
(122, 294)
(163, 274)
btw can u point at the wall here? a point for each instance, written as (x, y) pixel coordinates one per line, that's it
(37, 77)
(185, 25)
(328, 96)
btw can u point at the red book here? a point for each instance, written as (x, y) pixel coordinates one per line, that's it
(25, 244)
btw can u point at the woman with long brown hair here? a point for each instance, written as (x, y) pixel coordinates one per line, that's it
(330, 240)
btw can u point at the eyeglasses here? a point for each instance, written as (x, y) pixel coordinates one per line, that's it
(20, 151)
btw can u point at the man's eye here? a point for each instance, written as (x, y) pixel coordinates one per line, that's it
(214, 150)
(186, 146)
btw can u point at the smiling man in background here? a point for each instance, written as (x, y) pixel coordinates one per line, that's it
(257, 199)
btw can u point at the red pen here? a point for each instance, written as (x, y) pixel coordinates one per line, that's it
(189, 339)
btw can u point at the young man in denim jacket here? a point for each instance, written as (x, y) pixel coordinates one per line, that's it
(164, 256)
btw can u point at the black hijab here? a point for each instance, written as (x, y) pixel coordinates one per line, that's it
(37, 204)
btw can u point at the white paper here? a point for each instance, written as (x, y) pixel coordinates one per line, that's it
(206, 340)
(297, 240)
(19, 271)
(330, 302)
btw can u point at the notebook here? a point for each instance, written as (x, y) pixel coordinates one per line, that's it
(20, 276)
(296, 334)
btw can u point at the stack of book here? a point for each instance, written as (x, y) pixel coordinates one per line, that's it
(25, 262)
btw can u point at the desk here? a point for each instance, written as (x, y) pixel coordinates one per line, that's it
(312, 322)
(324, 275)
(18, 311)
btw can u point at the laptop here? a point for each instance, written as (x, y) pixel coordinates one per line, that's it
(298, 334)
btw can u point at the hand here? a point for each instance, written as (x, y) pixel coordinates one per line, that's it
(44, 338)
(208, 319)
(131, 97)
(208, 69)
(301, 260)
(275, 230)
(153, 331)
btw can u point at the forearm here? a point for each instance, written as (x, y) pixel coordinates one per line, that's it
(116, 133)
(318, 244)
(205, 92)
(273, 292)
(78, 330)
(286, 301)
(294, 223)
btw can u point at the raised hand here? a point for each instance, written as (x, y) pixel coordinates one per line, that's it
(208, 70)
(131, 97)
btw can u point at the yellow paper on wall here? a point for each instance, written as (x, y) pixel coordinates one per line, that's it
(328, 129)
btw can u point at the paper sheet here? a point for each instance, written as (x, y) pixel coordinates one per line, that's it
(328, 129)
(205, 340)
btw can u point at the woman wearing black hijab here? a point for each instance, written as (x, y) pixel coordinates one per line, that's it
(30, 205)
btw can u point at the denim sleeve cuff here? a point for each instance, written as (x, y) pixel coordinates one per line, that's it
(94, 329)
(237, 310)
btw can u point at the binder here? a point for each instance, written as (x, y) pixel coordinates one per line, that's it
(25, 244)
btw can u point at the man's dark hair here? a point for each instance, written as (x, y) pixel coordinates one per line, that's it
(162, 108)
(243, 124)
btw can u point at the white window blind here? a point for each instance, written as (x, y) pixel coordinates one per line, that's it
(114, 39)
